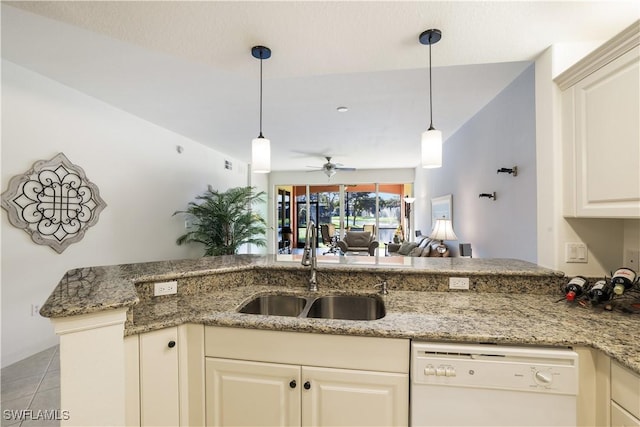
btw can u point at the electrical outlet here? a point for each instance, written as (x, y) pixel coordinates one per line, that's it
(459, 283)
(632, 259)
(165, 288)
(35, 310)
(575, 252)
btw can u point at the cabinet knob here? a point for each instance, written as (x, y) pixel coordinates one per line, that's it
(307, 385)
(293, 384)
(172, 344)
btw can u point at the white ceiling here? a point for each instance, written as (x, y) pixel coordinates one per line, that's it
(187, 67)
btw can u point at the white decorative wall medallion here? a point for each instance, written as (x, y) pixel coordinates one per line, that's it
(53, 202)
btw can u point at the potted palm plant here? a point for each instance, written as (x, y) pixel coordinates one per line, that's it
(224, 221)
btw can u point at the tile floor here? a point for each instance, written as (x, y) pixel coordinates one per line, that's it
(32, 384)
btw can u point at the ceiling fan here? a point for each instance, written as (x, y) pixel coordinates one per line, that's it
(330, 168)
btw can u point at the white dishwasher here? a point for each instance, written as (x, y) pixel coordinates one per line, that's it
(490, 385)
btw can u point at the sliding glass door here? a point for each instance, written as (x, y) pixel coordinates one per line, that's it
(371, 207)
(324, 208)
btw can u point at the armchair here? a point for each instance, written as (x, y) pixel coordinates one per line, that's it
(284, 245)
(358, 241)
(329, 238)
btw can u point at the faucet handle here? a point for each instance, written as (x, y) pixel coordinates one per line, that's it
(384, 290)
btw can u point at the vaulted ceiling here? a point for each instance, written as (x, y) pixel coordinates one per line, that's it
(186, 66)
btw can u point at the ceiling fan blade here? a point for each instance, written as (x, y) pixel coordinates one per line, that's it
(346, 169)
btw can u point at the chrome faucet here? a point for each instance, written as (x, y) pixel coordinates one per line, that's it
(309, 255)
(384, 287)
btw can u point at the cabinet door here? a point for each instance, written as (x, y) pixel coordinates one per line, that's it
(344, 397)
(132, 381)
(621, 418)
(625, 388)
(246, 393)
(607, 138)
(159, 388)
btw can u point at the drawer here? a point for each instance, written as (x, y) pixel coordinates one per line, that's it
(299, 348)
(621, 418)
(625, 389)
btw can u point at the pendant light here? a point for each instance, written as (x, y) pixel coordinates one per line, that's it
(261, 146)
(431, 138)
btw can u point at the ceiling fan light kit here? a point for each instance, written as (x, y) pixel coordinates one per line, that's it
(331, 168)
(261, 146)
(431, 138)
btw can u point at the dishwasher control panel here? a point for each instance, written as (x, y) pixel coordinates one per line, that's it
(547, 370)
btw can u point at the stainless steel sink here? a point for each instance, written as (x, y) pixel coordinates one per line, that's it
(275, 305)
(347, 307)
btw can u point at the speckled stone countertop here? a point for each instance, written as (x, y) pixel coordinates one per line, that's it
(509, 301)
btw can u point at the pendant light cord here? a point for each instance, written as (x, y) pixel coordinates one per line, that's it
(260, 136)
(430, 89)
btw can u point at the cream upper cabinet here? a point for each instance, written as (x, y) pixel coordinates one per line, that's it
(601, 131)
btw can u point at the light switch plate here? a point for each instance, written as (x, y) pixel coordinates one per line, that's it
(575, 252)
(165, 288)
(459, 283)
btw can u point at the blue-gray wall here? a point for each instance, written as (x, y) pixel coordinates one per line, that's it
(502, 134)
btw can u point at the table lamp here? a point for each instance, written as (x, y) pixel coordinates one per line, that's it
(443, 230)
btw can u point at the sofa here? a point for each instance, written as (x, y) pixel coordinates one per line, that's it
(422, 247)
(358, 241)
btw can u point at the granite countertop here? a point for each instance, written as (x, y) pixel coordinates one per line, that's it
(90, 289)
(525, 319)
(210, 291)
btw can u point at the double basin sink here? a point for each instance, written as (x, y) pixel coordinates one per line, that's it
(345, 307)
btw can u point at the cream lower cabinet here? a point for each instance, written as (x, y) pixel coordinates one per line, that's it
(341, 397)
(293, 379)
(254, 393)
(164, 372)
(248, 393)
(159, 386)
(621, 417)
(625, 397)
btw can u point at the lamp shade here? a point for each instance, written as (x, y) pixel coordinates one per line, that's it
(443, 230)
(260, 155)
(431, 148)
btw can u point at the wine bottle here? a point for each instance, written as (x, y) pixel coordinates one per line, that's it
(623, 279)
(601, 291)
(574, 288)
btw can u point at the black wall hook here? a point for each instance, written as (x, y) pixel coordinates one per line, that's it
(488, 195)
(513, 171)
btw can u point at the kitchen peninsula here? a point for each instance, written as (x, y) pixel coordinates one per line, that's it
(97, 311)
